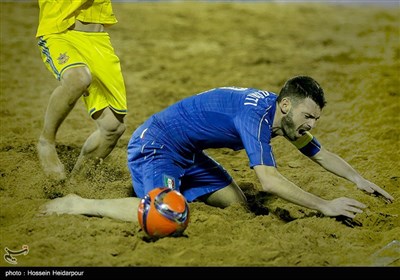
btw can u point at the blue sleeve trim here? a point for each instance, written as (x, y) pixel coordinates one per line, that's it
(312, 148)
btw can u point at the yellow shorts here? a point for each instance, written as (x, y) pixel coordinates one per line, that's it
(93, 49)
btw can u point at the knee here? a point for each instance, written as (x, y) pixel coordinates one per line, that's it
(114, 130)
(227, 196)
(77, 80)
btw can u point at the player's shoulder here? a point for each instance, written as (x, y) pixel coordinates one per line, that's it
(225, 89)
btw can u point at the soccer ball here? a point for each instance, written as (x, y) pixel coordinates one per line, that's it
(163, 212)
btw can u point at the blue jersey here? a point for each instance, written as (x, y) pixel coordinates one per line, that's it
(226, 117)
(167, 150)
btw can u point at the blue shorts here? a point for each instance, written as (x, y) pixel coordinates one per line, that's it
(153, 165)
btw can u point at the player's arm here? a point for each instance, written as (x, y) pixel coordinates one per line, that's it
(275, 183)
(338, 166)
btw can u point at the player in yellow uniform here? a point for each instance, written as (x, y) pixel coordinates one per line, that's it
(76, 48)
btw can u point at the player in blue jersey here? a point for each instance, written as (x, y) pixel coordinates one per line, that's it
(168, 150)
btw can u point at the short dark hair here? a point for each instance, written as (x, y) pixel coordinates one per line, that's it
(301, 87)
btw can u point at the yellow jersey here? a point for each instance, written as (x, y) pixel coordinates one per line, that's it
(57, 16)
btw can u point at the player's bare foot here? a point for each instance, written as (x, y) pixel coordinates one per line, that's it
(49, 160)
(69, 204)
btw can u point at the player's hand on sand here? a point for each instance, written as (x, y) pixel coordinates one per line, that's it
(371, 188)
(69, 204)
(343, 206)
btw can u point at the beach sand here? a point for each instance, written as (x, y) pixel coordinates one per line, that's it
(172, 50)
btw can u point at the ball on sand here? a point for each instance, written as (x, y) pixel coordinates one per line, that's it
(163, 212)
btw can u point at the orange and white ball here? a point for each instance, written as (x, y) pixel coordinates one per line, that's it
(163, 212)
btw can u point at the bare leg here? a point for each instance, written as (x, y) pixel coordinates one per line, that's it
(100, 143)
(226, 196)
(74, 83)
(124, 209)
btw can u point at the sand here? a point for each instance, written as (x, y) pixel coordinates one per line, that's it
(172, 50)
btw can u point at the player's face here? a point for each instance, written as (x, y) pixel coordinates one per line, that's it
(300, 118)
